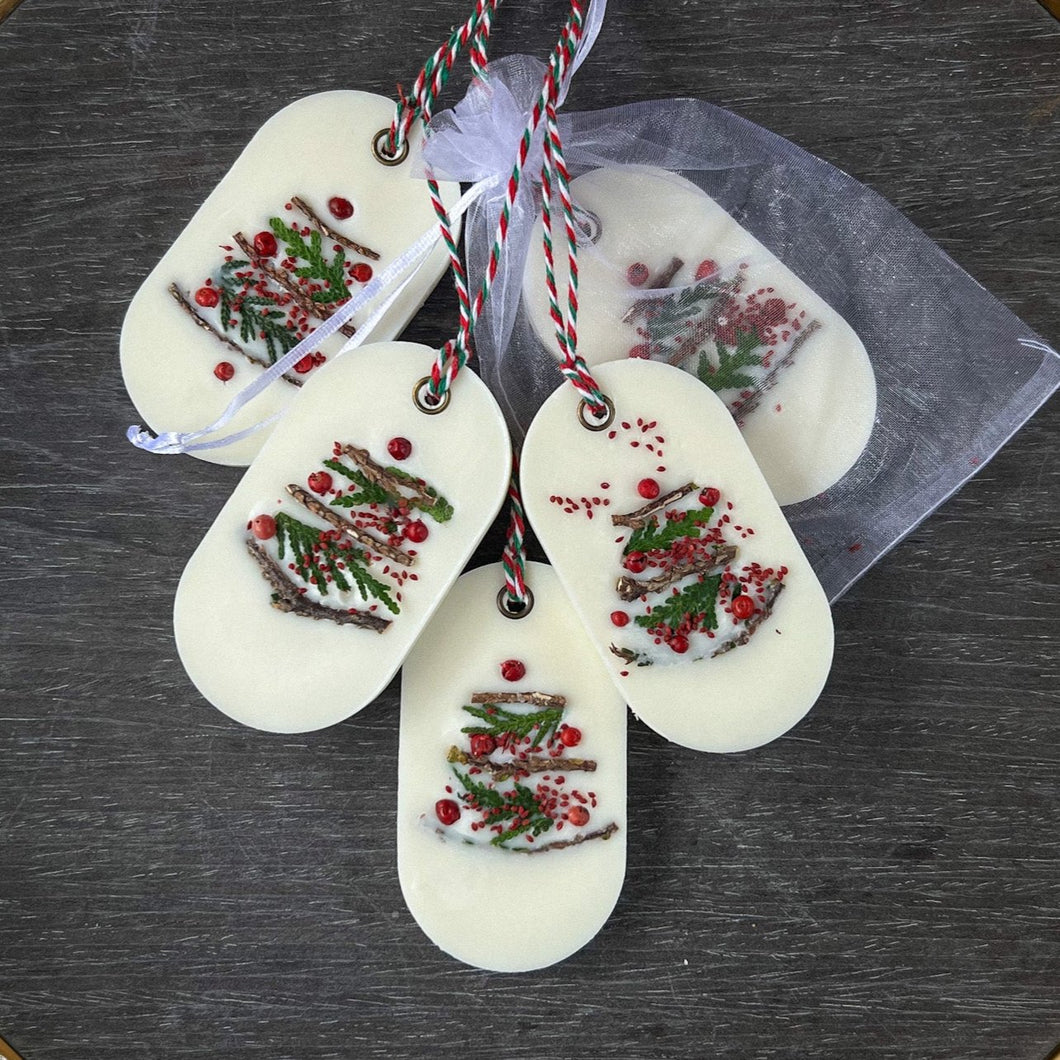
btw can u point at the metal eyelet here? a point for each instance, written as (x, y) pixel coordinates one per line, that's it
(591, 422)
(422, 398)
(505, 604)
(588, 227)
(379, 149)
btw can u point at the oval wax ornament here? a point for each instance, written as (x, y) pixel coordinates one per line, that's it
(667, 274)
(482, 695)
(339, 542)
(306, 216)
(678, 559)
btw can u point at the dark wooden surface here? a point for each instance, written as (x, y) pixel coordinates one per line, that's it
(883, 882)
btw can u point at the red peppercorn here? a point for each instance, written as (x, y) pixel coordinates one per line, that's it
(637, 274)
(361, 272)
(340, 207)
(642, 351)
(679, 643)
(743, 607)
(306, 364)
(320, 482)
(709, 497)
(263, 527)
(265, 244)
(619, 618)
(224, 371)
(399, 448)
(706, 268)
(648, 488)
(513, 670)
(447, 810)
(578, 815)
(570, 736)
(417, 531)
(207, 297)
(482, 744)
(635, 562)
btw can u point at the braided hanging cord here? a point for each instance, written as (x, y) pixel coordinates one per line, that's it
(513, 559)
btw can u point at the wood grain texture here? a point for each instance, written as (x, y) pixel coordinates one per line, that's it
(881, 883)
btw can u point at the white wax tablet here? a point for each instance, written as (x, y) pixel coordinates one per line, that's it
(461, 857)
(678, 559)
(310, 166)
(671, 276)
(339, 542)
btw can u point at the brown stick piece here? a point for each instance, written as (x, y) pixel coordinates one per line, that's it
(748, 405)
(773, 590)
(288, 599)
(538, 699)
(344, 526)
(561, 844)
(639, 519)
(328, 233)
(664, 279)
(178, 294)
(531, 764)
(381, 477)
(629, 588)
(283, 278)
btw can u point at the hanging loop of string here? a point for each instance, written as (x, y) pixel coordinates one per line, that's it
(515, 599)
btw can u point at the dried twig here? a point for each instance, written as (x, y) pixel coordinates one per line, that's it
(538, 699)
(329, 233)
(748, 405)
(561, 844)
(381, 477)
(656, 283)
(639, 519)
(630, 588)
(530, 764)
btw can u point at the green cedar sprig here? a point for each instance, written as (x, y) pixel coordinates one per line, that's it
(441, 511)
(315, 559)
(653, 536)
(501, 806)
(497, 720)
(373, 493)
(697, 601)
(669, 316)
(330, 273)
(255, 321)
(728, 374)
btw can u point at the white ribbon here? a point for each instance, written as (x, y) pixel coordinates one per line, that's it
(172, 442)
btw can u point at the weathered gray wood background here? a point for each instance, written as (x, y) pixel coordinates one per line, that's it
(883, 882)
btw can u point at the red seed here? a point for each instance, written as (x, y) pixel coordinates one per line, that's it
(417, 531)
(482, 744)
(306, 364)
(706, 268)
(570, 736)
(361, 272)
(399, 448)
(207, 297)
(265, 244)
(637, 274)
(263, 527)
(340, 207)
(447, 810)
(513, 670)
(619, 618)
(635, 562)
(642, 351)
(709, 497)
(320, 482)
(224, 371)
(743, 607)
(578, 815)
(648, 488)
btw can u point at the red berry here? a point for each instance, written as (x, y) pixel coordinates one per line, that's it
(447, 810)
(642, 351)
(709, 497)
(306, 364)
(578, 815)
(513, 670)
(399, 448)
(743, 607)
(635, 562)
(679, 643)
(265, 244)
(706, 268)
(417, 531)
(224, 371)
(320, 482)
(263, 527)
(340, 207)
(648, 488)
(207, 297)
(619, 618)
(361, 272)
(482, 744)
(570, 736)
(637, 274)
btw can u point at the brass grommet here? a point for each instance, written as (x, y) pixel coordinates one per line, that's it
(379, 149)
(504, 604)
(421, 395)
(590, 422)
